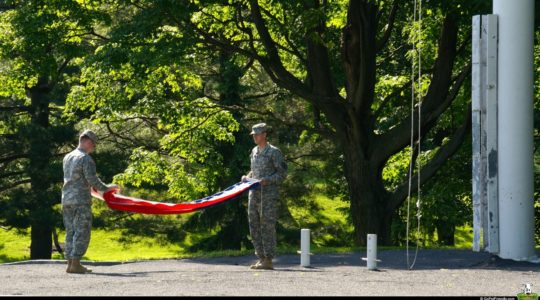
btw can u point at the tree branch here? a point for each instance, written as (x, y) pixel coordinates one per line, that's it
(359, 56)
(292, 158)
(431, 168)
(14, 185)
(5, 175)
(283, 28)
(99, 35)
(272, 63)
(263, 95)
(270, 115)
(240, 23)
(432, 107)
(319, 70)
(8, 159)
(266, 38)
(4, 7)
(390, 26)
(248, 65)
(15, 108)
(392, 95)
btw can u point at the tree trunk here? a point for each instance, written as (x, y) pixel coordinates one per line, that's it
(41, 214)
(445, 232)
(41, 242)
(367, 195)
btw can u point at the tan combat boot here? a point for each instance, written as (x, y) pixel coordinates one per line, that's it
(77, 268)
(87, 270)
(266, 264)
(69, 265)
(257, 264)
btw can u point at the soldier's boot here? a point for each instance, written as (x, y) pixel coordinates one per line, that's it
(257, 264)
(77, 268)
(266, 264)
(87, 270)
(68, 265)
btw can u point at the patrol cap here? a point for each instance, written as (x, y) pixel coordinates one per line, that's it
(258, 128)
(89, 134)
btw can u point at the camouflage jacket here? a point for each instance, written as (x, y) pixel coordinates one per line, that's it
(79, 176)
(268, 164)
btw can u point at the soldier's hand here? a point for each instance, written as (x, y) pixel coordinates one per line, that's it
(113, 187)
(244, 178)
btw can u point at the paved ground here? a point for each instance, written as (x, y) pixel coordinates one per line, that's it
(437, 272)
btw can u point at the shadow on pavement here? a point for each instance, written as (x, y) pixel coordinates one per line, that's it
(427, 259)
(128, 274)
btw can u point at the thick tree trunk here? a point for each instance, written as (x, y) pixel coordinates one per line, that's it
(445, 232)
(41, 242)
(367, 195)
(366, 190)
(41, 205)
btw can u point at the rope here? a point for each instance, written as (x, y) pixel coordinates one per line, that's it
(417, 8)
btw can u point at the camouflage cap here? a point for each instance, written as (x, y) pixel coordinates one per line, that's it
(90, 134)
(258, 128)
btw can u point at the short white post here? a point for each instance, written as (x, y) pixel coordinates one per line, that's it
(372, 251)
(304, 247)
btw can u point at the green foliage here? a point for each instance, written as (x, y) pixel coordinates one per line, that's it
(38, 38)
(446, 201)
(150, 74)
(40, 47)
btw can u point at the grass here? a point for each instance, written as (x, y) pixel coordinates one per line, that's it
(104, 246)
(463, 237)
(324, 216)
(13, 246)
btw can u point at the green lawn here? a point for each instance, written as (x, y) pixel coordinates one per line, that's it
(107, 246)
(104, 246)
(13, 247)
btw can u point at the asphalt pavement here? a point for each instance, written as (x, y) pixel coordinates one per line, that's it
(435, 273)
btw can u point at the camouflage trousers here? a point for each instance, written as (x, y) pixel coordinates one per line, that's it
(78, 224)
(262, 215)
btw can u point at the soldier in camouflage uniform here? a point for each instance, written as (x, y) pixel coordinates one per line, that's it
(268, 166)
(79, 177)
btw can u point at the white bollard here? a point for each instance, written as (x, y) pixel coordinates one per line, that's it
(304, 247)
(372, 251)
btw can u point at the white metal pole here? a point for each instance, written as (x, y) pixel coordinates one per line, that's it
(304, 247)
(372, 251)
(515, 119)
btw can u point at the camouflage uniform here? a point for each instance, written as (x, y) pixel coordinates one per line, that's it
(269, 164)
(79, 176)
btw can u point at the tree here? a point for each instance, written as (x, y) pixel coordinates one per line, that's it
(295, 43)
(355, 102)
(39, 47)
